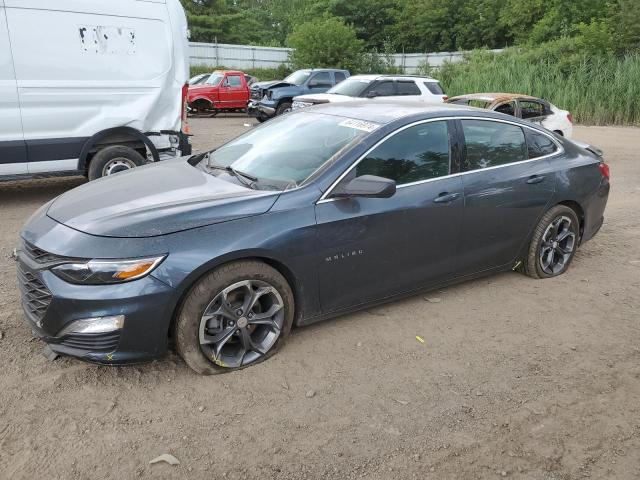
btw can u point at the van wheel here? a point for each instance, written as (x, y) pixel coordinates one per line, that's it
(235, 316)
(112, 160)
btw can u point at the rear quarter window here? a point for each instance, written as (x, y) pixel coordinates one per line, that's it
(434, 87)
(539, 145)
(408, 87)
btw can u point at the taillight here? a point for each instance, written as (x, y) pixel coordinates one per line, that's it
(604, 170)
(570, 117)
(185, 124)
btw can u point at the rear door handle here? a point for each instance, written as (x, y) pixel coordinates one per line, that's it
(535, 179)
(446, 197)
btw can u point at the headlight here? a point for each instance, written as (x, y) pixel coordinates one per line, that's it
(100, 272)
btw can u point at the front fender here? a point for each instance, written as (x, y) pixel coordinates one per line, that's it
(283, 93)
(197, 98)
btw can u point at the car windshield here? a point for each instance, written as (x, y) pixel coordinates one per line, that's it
(351, 87)
(298, 78)
(287, 150)
(199, 79)
(214, 79)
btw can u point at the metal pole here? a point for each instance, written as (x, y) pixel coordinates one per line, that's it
(217, 60)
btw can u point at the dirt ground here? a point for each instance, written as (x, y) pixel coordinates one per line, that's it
(517, 378)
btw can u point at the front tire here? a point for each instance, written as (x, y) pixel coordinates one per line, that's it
(114, 159)
(235, 316)
(284, 107)
(554, 243)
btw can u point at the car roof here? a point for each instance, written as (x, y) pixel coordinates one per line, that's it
(392, 77)
(494, 97)
(386, 112)
(321, 70)
(229, 71)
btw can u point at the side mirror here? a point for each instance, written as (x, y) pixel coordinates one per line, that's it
(367, 186)
(372, 94)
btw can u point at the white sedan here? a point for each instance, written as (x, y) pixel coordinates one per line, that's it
(533, 109)
(367, 88)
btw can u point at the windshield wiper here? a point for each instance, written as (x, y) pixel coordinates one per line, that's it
(241, 175)
(244, 178)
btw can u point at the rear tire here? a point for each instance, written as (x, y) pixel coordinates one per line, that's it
(114, 159)
(211, 328)
(553, 244)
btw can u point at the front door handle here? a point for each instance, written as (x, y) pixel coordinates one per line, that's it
(446, 197)
(533, 179)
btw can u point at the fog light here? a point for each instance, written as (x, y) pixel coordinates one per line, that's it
(94, 325)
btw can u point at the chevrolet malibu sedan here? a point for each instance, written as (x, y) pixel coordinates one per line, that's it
(312, 215)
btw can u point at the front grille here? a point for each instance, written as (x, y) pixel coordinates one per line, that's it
(40, 255)
(36, 297)
(95, 342)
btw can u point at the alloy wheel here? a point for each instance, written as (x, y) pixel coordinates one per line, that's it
(558, 244)
(242, 323)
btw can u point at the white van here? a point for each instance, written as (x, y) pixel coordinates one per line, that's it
(91, 87)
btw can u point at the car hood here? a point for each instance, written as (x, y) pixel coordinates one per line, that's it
(323, 98)
(270, 84)
(156, 199)
(203, 86)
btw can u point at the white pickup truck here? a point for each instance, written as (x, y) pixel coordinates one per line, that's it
(91, 87)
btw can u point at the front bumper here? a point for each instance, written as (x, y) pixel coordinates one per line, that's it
(50, 304)
(261, 109)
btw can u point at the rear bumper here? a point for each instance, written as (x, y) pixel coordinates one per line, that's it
(594, 216)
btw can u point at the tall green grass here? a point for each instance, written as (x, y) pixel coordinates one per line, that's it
(597, 90)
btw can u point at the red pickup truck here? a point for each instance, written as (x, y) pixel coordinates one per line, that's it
(224, 91)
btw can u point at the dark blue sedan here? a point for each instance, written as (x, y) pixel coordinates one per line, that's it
(311, 215)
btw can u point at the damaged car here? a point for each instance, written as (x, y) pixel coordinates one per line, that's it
(269, 99)
(529, 108)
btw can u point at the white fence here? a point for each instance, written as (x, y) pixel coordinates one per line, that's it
(246, 56)
(237, 56)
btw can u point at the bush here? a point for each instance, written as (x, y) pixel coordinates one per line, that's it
(326, 42)
(596, 89)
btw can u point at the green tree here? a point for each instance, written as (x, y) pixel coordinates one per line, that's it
(325, 42)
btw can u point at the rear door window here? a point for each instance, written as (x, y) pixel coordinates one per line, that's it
(531, 109)
(340, 76)
(407, 87)
(417, 153)
(490, 144)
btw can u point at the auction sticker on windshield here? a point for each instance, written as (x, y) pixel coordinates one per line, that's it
(359, 125)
